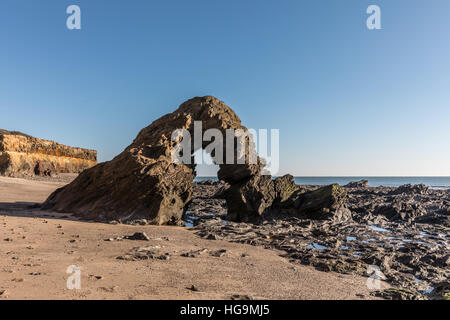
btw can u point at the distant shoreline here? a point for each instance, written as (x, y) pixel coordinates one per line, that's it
(436, 183)
(374, 181)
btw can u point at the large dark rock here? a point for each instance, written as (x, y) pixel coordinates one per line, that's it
(260, 196)
(357, 184)
(144, 181)
(400, 210)
(284, 188)
(411, 189)
(328, 202)
(250, 199)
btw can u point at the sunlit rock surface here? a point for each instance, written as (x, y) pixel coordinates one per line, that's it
(23, 155)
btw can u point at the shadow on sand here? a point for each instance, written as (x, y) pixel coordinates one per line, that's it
(33, 210)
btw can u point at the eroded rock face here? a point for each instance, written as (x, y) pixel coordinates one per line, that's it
(357, 184)
(250, 199)
(261, 197)
(325, 203)
(407, 188)
(23, 155)
(144, 181)
(412, 254)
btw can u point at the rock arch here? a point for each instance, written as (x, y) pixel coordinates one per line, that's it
(144, 181)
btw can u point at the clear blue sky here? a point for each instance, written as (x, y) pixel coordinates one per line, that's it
(347, 101)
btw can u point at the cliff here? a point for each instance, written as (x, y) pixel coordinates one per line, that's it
(23, 155)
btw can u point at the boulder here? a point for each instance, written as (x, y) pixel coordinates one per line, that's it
(284, 188)
(357, 184)
(250, 199)
(401, 210)
(411, 189)
(23, 155)
(329, 202)
(254, 198)
(261, 197)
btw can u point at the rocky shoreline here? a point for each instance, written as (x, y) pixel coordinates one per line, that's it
(121, 261)
(397, 234)
(402, 231)
(400, 234)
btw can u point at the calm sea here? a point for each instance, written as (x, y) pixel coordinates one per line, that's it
(435, 182)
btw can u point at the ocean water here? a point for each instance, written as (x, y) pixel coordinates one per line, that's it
(434, 182)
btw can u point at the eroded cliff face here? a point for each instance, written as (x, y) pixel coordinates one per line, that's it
(23, 155)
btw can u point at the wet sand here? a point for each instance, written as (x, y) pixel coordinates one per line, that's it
(37, 247)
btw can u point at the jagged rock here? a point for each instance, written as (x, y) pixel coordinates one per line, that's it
(410, 255)
(259, 196)
(250, 199)
(357, 184)
(23, 155)
(236, 173)
(3, 293)
(208, 182)
(441, 291)
(138, 236)
(220, 193)
(145, 253)
(240, 297)
(440, 260)
(144, 181)
(193, 288)
(194, 253)
(400, 294)
(284, 188)
(219, 253)
(411, 189)
(401, 211)
(324, 203)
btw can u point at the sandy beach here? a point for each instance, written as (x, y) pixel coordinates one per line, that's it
(37, 247)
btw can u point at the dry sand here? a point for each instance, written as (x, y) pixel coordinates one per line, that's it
(39, 247)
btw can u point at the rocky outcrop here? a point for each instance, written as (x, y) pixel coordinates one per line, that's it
(357, 184)
(23, 155)
(408, 188)
(144, 181)
(329, 202)
(399, 210)
(250, 199)
(261, 197)
(412, 254)
(406, 204)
